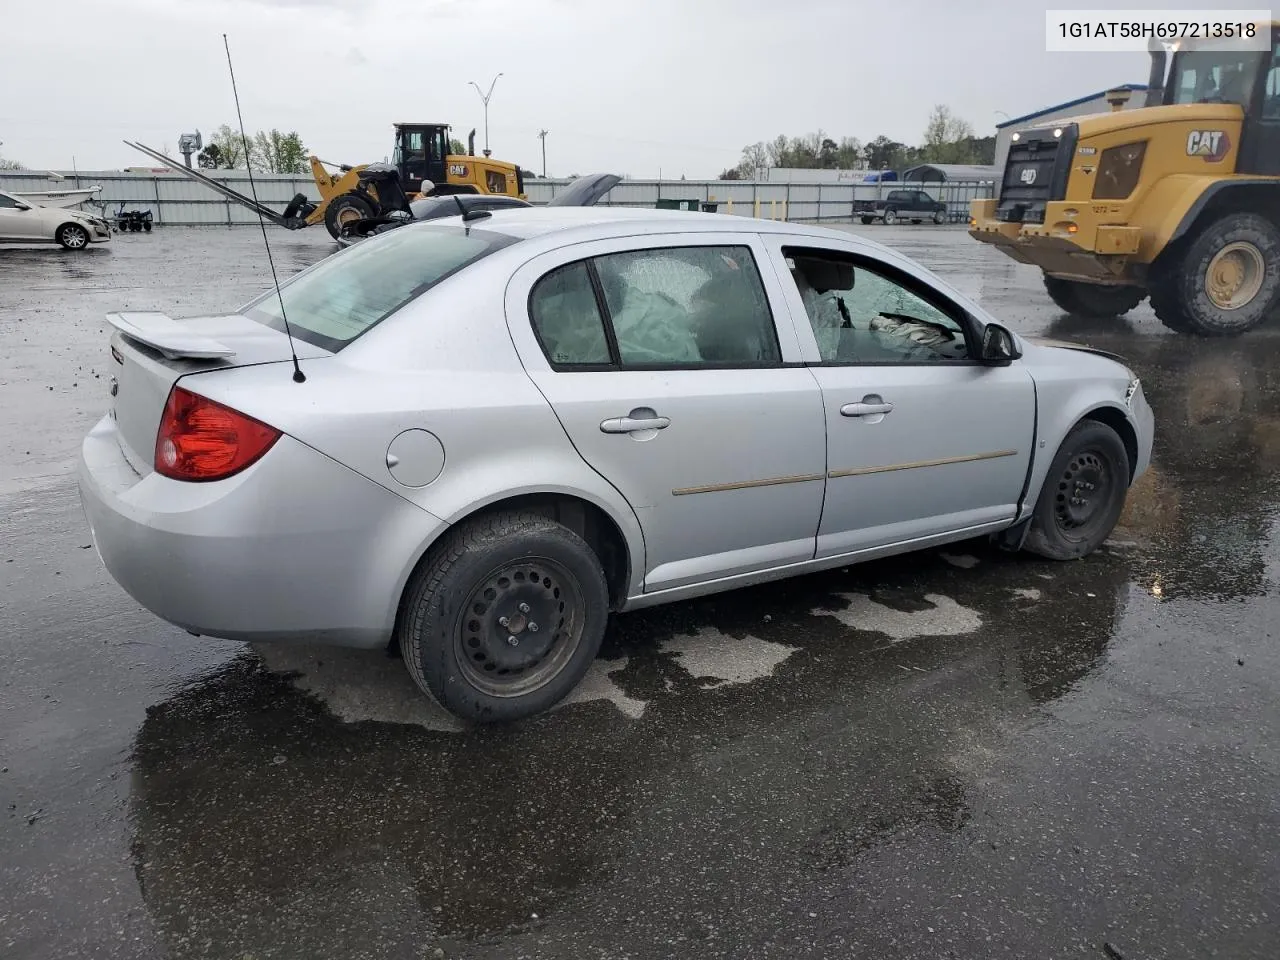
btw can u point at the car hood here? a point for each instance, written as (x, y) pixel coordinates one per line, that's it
(1068, 345)
(586, 191)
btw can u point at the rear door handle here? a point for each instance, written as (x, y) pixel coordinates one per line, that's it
(865, 409)
(633, 425)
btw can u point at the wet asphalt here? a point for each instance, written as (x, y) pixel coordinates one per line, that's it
(956, 754)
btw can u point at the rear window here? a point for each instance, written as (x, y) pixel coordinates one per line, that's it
(350, 292)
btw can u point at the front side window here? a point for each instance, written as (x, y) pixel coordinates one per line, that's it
(1271, 101)
(864, 315)
(7, 202)
(688, 306)
(350, 292)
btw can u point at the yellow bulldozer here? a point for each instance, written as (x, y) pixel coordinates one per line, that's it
(1178, 200)
(422, 165)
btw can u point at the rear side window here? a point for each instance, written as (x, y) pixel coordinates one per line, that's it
(566, 318)
(350, 292)
(661, 308)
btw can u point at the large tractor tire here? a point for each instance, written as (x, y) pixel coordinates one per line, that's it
(1224, 282)
(1092, 299)
(347, 208)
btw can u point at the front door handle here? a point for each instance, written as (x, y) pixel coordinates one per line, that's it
(865, 409)
(634, 425)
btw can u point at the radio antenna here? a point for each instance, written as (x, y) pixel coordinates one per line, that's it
(298, 376)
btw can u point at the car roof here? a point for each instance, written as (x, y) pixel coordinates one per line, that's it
(527, 223)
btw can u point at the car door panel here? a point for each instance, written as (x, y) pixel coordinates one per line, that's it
(914, 449)
(951, 454)
(724, 467)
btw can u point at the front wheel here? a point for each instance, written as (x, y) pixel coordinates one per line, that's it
(505, 618)
(1226, 282)
(73, 236)
(938, 217)
(1092, 299)
(1083, 494)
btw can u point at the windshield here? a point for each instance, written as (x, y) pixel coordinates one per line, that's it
(1214, 76)
(350, 292)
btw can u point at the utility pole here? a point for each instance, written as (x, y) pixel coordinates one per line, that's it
(542, 135)
(485, 98)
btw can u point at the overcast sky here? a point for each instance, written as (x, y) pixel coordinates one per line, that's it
(677, 86)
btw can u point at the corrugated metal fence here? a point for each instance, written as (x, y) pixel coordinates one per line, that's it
(176, 201)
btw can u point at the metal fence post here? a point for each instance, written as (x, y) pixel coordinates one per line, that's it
(155, 186)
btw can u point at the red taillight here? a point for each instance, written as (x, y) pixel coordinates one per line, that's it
(199, 439)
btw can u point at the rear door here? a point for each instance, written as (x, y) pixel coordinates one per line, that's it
(662, 358)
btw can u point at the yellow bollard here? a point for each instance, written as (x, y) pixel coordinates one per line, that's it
(773, 209)
(784, 210)
(728, 205)
(756, 209)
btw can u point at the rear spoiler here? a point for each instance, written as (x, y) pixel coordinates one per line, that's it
(173, 339)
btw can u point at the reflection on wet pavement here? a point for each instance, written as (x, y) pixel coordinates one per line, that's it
(960, 753)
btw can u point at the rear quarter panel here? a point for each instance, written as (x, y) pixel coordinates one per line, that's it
(444, 364)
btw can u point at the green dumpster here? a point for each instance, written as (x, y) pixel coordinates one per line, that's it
(668, 204)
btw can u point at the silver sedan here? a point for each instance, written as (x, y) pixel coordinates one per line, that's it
(499, 431)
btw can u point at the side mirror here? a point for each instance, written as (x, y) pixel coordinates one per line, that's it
(21, 206)
(999, 349)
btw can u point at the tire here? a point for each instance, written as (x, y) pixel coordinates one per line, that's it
(72, 236)
(1093, 299)
(1091, 457)
(146, 225)
(1240, 245)
(890, 217)
(136, 227)
(915, 220)
(938, 218)
(866, 221)
(349, 206)
(451, 634)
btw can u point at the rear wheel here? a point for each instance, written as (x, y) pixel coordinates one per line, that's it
(505, 618)
(890, 217)
(1092, 299)
(73, 236)
(1083, 494)
(346, 209)
(1225, 282)
(146, 225)
(866, 221)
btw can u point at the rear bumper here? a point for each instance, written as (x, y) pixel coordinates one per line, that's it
(296, 548)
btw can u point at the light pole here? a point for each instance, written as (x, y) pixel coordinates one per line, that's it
(485, 98)
(542, 135)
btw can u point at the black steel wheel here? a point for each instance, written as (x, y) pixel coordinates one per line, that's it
(1083, 494)
(519, 627)
(505, 617)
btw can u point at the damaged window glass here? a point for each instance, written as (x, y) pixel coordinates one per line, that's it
(861, 316)
(688, 306)
(345, 295)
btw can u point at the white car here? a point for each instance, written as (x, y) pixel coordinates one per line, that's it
(24, 222)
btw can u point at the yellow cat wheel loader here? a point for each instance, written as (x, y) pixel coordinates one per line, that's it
(1178, 200)
(424, 164)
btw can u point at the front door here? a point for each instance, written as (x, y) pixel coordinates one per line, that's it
(922, 441)
(21, 221)
(663, 361)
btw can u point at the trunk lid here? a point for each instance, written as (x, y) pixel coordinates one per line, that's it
(153, 350)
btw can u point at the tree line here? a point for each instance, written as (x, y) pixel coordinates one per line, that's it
(270, 151)
(947, 139)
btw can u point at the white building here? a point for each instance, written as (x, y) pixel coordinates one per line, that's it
(1093, 103)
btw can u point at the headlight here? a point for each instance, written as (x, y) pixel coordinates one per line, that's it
(1118, 171)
